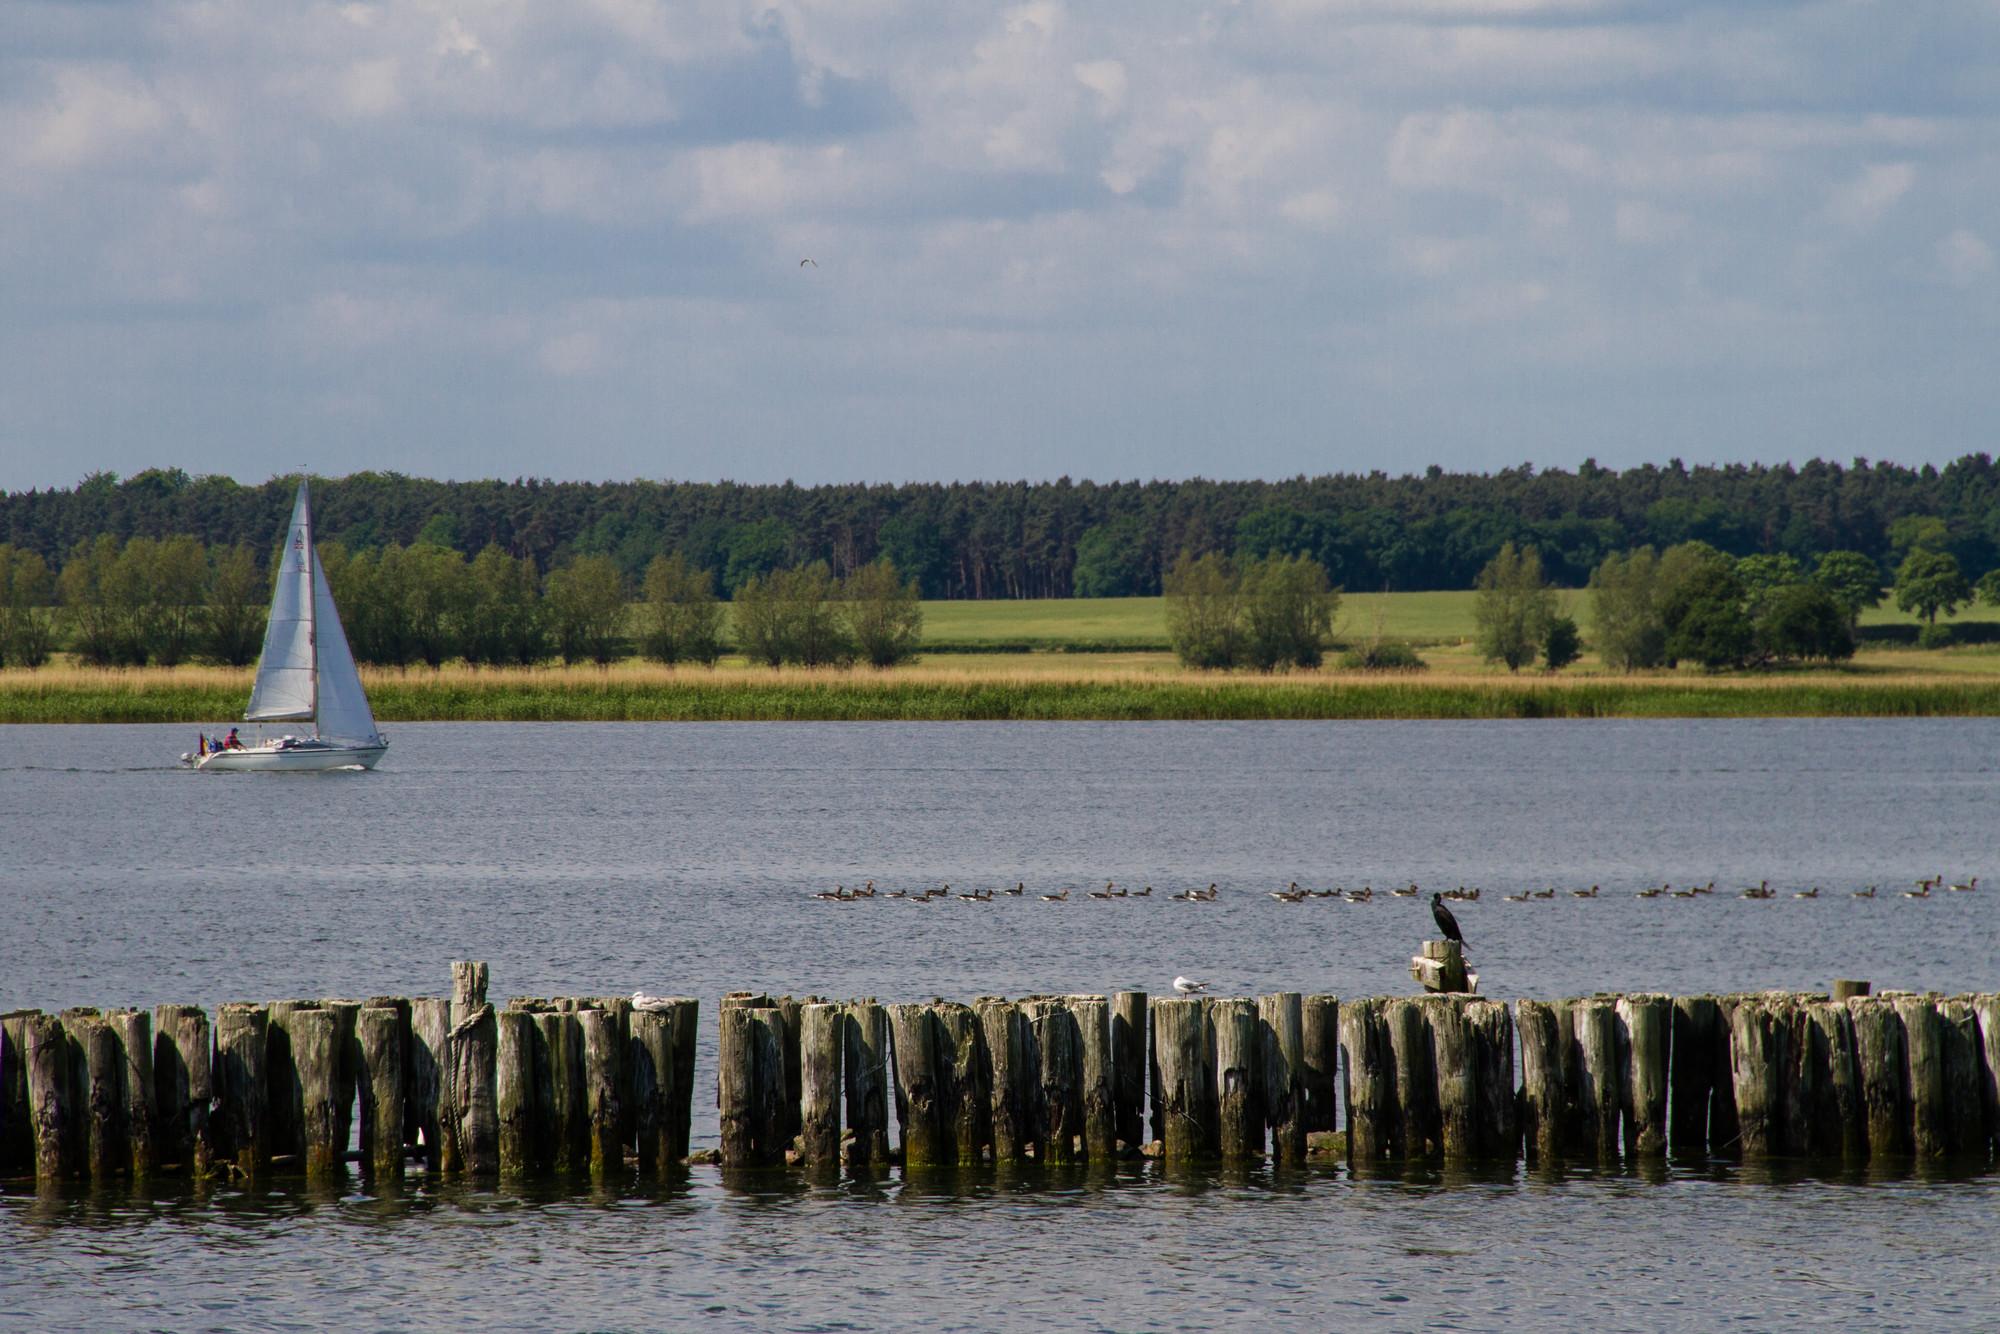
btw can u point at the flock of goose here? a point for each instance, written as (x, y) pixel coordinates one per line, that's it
(1295, 894)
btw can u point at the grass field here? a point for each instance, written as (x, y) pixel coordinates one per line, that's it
(1124, 676)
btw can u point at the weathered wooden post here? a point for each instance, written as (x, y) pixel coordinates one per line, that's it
(1057, 1101)
(1457, 1077)
(1880, 1060)
(619, 1008)
(1238, 1065)
(183, 1087)
(1802, 1073)
(1847, 988)
(1646, 1022)
(1986, 1009)
(17, 1130)
(1596, 1084)
(1090, 1017)
(561, 1126)
(1416, 1129)
(1440, 968)
(1281, 1038)
(58, 1130)
(1691, 1074)
(284, 1099)
(920, 1087)
(1006, 1047)
(1964, 1078)
(1923, 1048)
(1128, 1068)
(514, 1090)
(654, 1086)
(423, 1081)
(1187, 1104)
(1319, 1024)
(1723, 1131)
(1756, 1052)
(821, 1038)
(346, 1069)
(1491, 1025)
(242, 1041)
(468, 988)
(475, 1120)
(313, 1055)
(1839, 1126)
(602, 1114)
(1370, 1097)
(865, 1069)
(96, 1094)
(132, 1045)
(968, 1094)
(750, 1085)
(1544, 1049)
(379, 1034)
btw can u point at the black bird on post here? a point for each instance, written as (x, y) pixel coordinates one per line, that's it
(1446, 922)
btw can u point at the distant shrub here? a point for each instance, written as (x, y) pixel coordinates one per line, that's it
(1934, 636)
(1385, 656)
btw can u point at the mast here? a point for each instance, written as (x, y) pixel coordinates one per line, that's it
(312, 603)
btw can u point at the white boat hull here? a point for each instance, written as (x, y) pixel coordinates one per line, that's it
(302, 757)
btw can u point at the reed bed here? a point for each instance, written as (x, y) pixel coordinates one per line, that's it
(948, 689)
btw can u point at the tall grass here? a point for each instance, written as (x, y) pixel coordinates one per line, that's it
(641, 692)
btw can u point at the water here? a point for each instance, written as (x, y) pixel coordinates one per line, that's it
(595, 859)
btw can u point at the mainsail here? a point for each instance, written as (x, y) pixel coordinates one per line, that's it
(284, 689)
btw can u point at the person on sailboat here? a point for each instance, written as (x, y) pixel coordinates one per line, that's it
(230, 742)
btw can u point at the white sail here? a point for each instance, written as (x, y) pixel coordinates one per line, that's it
(344, 714)
(284, 688)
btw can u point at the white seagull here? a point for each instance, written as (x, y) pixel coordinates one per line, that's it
(641, 1001)
(1187, 986)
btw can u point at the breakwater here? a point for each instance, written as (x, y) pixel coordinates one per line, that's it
(604, 1086)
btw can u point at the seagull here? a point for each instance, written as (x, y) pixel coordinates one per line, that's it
(808, 260)
(1187, 986)
(641, 1001)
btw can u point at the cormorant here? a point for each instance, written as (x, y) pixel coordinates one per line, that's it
(1446, 922)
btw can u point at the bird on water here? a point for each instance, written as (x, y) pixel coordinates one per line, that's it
(1187, 986)
(1446, 922)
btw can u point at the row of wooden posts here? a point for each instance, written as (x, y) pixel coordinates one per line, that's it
(596, 1085)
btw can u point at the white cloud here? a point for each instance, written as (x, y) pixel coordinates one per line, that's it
(1964, 256)
(1863, 201)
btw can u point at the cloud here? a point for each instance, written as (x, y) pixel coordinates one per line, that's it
(1964, 257)
(1864, 200)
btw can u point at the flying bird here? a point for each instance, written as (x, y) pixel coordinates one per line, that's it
(808, 260)
(1446, 922)
(1187, 986)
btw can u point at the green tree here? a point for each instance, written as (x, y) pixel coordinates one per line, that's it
(1112, 561)
(27, 630)
(792, 616)
(1625, 616)
(1205, 612)
(913, 544)
(682, 619)
(1512, 607)
(1705, 619)
(500, 618)
(89, 587)
(1929, 582)
(1562, 643)
(1989, 588)
(170, 580)
(1288, 611)
(586, 608)
(232, 625)
(1854, 580)
(437, 595)
(1804, 621)
(885, 616)
(754, 549)
(1917, 532)
(1763, 575)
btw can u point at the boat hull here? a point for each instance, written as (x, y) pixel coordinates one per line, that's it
(306, 758)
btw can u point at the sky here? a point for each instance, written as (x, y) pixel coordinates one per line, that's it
(1109, 240)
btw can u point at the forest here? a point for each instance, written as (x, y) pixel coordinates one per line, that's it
(1066, 538)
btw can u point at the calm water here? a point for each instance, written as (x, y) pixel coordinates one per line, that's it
(680, 858)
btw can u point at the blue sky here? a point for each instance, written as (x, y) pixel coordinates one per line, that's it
(1107, 240)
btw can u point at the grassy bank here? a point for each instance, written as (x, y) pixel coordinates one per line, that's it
(971, 691)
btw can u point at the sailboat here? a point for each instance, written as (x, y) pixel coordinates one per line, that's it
(305, 674)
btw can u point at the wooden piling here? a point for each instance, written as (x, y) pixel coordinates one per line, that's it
(473, 1110)
(1756, 1053)
(1091, 1018)
(284, 1099)
(17, 1131)
(380, 1038)
(1281, 1043)
(423, 1079)
(1319, 1029)
(514, 1090)
(1006, 1046)
(1883, 1065)
(1597, 1086)
(57, 1126)
(183, 1087)
(1187, 1105)
(242, 1041)
(1846, 988)
(1238, 1067)
(1415, 1131)
(468, 988)
(1924, 1050)
(561, 1124)
(602, 1114)
(1964, 1077)
(313, 1058)
(95, 1098)
(920, 1087)
(1440, 968)
(969, 1093)
(1986, 1009)
(1365, 1057)
(865, 1070)
(750, 1085)
(1456, 1068)
(821, 1038)
(1724, 1133)
(132, 1047)
(1802, 1073)
(1840, 1128)
(1646, 1023)
(655, 1088)
(1056, 1099)
(1691, 1072)
(1491, 1026)
(347, 1066)
(1128, 1068)
(1544, 1048)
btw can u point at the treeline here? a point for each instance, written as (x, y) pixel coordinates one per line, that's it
(1064, 538)
(170, 601)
